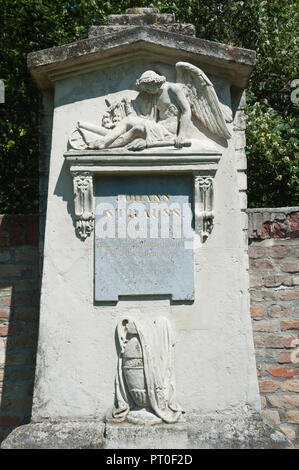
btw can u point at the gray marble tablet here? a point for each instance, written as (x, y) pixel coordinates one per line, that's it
(143, 237)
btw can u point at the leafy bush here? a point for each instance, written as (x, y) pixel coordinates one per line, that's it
(269, 27)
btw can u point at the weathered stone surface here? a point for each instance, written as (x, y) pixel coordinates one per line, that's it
(158, 436)
(144, 18)
(186, 29)
(237, 429)
(265, 223)
(141, 10)
(72, 58)
(62, 435)
(240, 429)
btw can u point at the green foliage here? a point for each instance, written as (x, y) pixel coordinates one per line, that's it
(269, 27)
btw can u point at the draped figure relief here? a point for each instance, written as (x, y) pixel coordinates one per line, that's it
(145, 384)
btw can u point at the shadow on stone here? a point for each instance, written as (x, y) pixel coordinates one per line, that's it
(19, 314)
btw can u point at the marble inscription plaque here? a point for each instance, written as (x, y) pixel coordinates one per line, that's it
(144, 237)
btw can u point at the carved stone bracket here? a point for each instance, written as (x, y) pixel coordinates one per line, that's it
(83, 203)
(204, 199)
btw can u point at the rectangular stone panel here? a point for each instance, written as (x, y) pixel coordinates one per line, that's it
(144, 236)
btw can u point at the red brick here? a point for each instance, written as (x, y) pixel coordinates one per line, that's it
(19, 405)
(276, 371)
(272, 415)
(263, 265)
(9, 271)
(291, 342)
(26, 253)
(290, 295)
(7, 300)
(257, 251)
(20, 373)
(26, 285)
(276, 280)
(287, 311)
(25, 313)
(11, 328)
(23, 341)
(9, 420)
(257, 311)
(289, 432)
(276, 341)
(268, 386)
(290, 267)
(259, 295)
(284, 401)
(30, 389)
(266, 230)
(32, 358)
(274, 311)
(4, 314)
(290, 385)
(3, 342)
(292, 416)
(258, 341)
(36, 299)
(295, 356)
(32, 231)
(256, 281)
(4, 329)
(22, 299)
(11, 231)
(16, 389)
(284, 357)
(290, 325)
(265, 325)
(17, 359)
(279, 251)
(279, 230)
(263, 402)
(294, 222)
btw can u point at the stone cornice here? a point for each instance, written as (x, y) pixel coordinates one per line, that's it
(49, 65)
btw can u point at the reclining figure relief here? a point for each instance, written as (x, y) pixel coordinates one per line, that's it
(160, 115)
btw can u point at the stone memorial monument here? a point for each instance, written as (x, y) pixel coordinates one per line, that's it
(145, 338)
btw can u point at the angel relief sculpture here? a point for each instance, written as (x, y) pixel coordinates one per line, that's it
(160, 115)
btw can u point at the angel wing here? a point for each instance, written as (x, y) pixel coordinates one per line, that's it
(203, 100)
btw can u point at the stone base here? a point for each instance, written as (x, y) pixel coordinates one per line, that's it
(237, 429)
(58, 435)
(156, 436)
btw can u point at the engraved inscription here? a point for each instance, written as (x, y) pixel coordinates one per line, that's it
(140, 249)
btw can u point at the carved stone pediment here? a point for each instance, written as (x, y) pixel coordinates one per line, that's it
(139, 42)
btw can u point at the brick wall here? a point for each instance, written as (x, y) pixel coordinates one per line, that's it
(273, 251)
(19, 308)
(274, 291)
